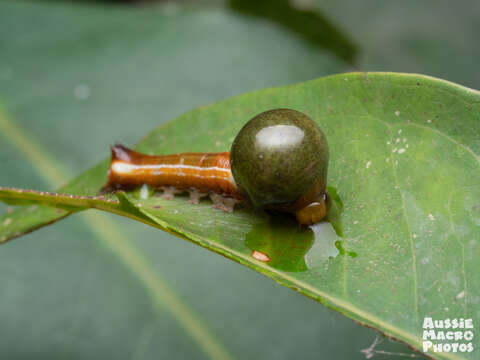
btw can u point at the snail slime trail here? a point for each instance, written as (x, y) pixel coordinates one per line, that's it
(278, 161)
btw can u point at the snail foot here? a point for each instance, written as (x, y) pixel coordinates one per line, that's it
(169, 192)
(312, 213)
(223, 203)
(195, 196)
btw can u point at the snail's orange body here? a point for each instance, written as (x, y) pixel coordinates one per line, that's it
(204, 172)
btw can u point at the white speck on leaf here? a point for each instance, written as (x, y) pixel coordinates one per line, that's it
(144, 192)
(355, 222)
(394, 150)
(431, 217)
(460, 295)
(397, 113)
(399, 131)
(81, 92)
(401, 151)
(7, 221)
(218, 143)
(368, 164)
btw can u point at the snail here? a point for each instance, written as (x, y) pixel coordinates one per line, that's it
(278, 162)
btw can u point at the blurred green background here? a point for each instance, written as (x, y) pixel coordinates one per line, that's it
(77, 76)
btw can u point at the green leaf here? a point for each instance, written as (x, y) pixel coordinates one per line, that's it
(404, 246)
(102, 286)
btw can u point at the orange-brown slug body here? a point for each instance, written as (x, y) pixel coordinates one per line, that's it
(198, 173)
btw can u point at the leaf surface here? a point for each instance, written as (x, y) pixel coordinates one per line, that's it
(404, 161)
(99, 285)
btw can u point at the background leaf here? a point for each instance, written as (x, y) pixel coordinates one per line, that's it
(411, 37)
(310, 25)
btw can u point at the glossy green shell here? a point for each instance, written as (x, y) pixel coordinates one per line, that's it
(280, 160)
